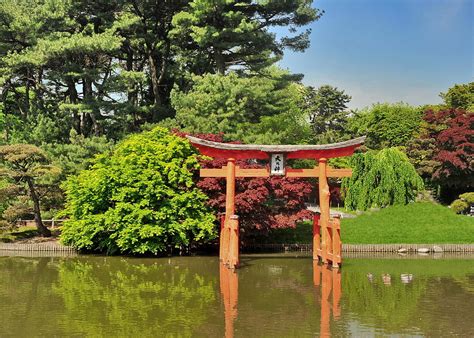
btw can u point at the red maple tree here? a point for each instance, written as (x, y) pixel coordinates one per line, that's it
(261, 203)
(453, 133)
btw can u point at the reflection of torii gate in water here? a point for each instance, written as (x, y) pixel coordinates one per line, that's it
(326, 231)
(326, 281)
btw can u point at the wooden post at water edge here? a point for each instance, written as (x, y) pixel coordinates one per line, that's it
(316, 236)
(336, 241)
(221, 237)
(233, 260)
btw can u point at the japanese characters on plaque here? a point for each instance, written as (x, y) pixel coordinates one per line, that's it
(277, 164)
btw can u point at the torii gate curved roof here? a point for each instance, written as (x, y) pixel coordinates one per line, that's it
(261, 151)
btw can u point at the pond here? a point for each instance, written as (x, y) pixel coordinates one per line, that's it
(270, 296)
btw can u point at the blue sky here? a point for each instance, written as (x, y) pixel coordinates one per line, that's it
(389, 50)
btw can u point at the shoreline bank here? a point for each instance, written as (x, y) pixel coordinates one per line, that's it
(393, 248)
(54, 246)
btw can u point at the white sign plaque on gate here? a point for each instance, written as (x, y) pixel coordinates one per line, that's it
(277, 164)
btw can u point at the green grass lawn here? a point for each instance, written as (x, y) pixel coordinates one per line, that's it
(18, 234)
(422, 223)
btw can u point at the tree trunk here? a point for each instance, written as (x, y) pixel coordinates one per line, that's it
(39, 100)
(44, 231)
(154, 79)
(73, 98)
(158, 75)
(89, 119)
(88, 94)
(220, 63)
(132, 93)
(27, 94)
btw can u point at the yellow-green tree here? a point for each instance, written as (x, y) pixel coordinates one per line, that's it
(139, 198)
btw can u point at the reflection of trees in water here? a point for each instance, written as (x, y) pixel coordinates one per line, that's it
(413, 307)
(111, 296)
(448, 307)
(391, 307)
(97, 296)
(466, 282)
(26, 301)
(122, 297)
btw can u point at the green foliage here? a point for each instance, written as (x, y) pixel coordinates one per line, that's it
(459, 206)
(422, 154)
(463, 203)
(78, 154)
(288, 124)
(212, 32)
(28, 170)
(255, 109)
(139, 199)
(380, 179)
(22, 162)
(468, 197)
(327, 109)
(4, 198)
(420, 222)
(460, 96)
(107, 67)
(386, 125)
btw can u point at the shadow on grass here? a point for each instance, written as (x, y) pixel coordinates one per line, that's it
(18, 234)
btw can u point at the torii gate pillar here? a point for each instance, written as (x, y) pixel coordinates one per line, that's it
(229, 237)
(324, 196)
(230, 188)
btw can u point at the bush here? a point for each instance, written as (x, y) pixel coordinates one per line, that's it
(140, 198)
(4, 225)
(459, 206)
(468, 197)
(462, 204)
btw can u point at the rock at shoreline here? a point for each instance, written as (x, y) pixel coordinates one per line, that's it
(423, 250)
(402, 250)
(437, 249)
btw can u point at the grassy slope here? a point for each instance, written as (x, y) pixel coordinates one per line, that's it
(413, 223)
(422, 223)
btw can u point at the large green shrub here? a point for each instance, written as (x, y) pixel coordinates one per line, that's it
(380, 179)
(140, 198)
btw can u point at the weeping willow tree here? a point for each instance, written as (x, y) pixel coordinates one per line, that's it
(380, 179)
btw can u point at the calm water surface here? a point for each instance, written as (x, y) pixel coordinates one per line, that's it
(270, 296)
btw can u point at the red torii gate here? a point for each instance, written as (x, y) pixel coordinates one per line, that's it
(326, 231)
